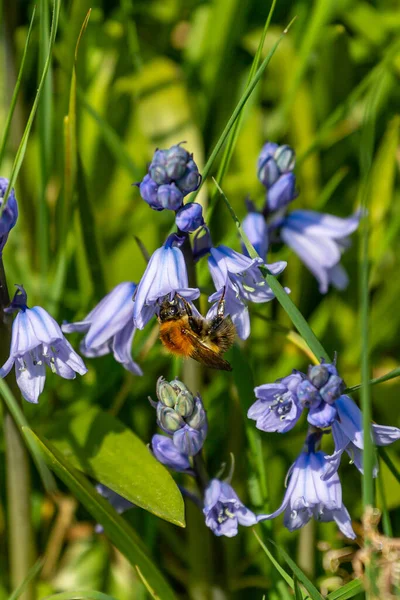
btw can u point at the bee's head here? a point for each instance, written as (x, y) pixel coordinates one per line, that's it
(169, 309)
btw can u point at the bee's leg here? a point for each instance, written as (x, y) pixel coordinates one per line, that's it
(221, 305)
(186, 304)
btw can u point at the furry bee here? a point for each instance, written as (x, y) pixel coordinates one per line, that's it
(186, 335)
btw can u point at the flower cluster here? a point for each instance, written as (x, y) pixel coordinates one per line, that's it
(172, 175)
(317, 238)
(314, 487)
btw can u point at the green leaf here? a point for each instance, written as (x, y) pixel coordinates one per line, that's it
(311, 589)
(104, 448)
(116, 528)
(347, 591)
(24, 141)
(297, 590)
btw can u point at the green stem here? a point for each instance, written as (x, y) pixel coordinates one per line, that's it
(18, 479)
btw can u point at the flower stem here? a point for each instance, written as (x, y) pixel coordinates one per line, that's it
(18, 480)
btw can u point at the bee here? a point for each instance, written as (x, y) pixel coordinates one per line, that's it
(186, 335)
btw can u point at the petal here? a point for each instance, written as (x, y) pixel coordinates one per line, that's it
(343, 521)
(338, 277)
(341, 443)
(122, 348)
(46, 329)
(111, 314)
(6, 368)
(166, 453)
(66, 354)
(256, 229)
(30, 377)
(322, 224)
(23, 335)
(350, 420)
(94, 352)
(296, 518)
(212, 494)
(246, 517)
(78, 327)
(232, 261)
(385, 435)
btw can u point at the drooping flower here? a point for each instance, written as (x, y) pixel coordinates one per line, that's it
(277, 408)
(239, 279)
(181, 415)
(189, 217)
(9, 215)
(37, 341)
(309, 495)
(165, 275)
(109, 327)
(223, 510)
(347, 431)
(168, 454)
(319, 240)
(172, 174)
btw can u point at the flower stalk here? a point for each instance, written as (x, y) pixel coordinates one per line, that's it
(18, 480)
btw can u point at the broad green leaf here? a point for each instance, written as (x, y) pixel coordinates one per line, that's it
(115, 527)
(347, 591)
(104, 448)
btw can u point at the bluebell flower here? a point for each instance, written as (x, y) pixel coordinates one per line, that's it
(109, 327)
(319, 240)
(168, 454)
(281, 193)
(37, 341)
(119, 503)
(181, 415)
(189, 217)
(223, 510)
(347, 431)
(256, 229)
(309, 495)
(165, 275)
(274, 169)
(277, 408)
(172, 175)
(10, 214)
(239, 279)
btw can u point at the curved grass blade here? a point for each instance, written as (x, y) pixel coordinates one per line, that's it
(347, 591)
(389, 463)
(391, 375)
(33, 572)
(80, 595)
(118, 530)
(19, 157)
(283, 298)
(239, 107)
(16, 90)
(19, 418)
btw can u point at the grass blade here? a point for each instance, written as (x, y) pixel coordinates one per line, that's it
(19, 157)
(16, 90)
(33, 572)
(391, 375)
(347, 591)
(389, 463)
(80, 595)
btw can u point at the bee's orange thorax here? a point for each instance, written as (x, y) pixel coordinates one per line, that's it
(172, 335)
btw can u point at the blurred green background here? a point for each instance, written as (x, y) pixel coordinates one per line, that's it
(151, 74)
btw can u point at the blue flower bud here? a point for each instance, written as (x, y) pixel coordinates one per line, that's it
(190, 180)
(168, 420)
(166, 393)
(10, 213)
(189, 441)
(285, 158)
(268, 172)
(184, 405)
(267, 151)
(177, 159)
(282, 192)
(190, 217)
(318, 375)
(148, 190)
(332, 389)
(169, 196)
(307, 394)
(166, 453)
(197, 418)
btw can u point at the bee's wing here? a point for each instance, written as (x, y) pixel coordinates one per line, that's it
(206, 355)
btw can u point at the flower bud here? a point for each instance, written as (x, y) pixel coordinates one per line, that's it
(177, 159)
(198, 417)
(267, 151)
(184, 404)
(9, 215)
(190, 180)
(168, 454)
(168, 419)
(157, 168)
(285, 158)
(318, 375)
(189, 217)
(188, 441)
(166, 393)
(332, 389)
(307, 394)
(282, 192)
(169, 196)
(148, 190)
(268, 172)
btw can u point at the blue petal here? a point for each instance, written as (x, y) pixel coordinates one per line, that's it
(31, 375)
(166, 453)
(322, 416)
(122, 348)
(323, 225)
